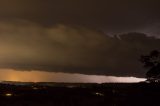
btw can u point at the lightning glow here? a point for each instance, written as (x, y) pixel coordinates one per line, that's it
(41, 76)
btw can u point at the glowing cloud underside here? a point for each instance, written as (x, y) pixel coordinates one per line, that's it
(40, 76)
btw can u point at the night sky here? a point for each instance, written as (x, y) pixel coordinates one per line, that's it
(92, 37)
(108, 15)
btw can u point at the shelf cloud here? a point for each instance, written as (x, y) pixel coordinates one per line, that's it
(25, 45)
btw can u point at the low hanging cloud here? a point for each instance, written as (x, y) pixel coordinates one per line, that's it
(72, 49)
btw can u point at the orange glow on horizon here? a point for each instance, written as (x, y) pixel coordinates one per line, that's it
(42, 76)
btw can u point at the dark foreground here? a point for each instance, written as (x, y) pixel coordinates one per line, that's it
(44, 94)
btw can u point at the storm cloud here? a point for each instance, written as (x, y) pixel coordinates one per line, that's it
(111, 16)
(25, 45)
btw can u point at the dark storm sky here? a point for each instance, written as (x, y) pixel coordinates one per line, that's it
(71, 35)
(109, 15)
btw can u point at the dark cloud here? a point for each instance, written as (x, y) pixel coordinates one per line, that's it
(110, 15)
(72, 49)
(63, 35)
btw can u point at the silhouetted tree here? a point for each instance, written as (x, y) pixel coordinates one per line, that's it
(152, 62)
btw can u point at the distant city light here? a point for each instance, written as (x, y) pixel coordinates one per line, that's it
(99, 94)
(35, 88)
(8, 94)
